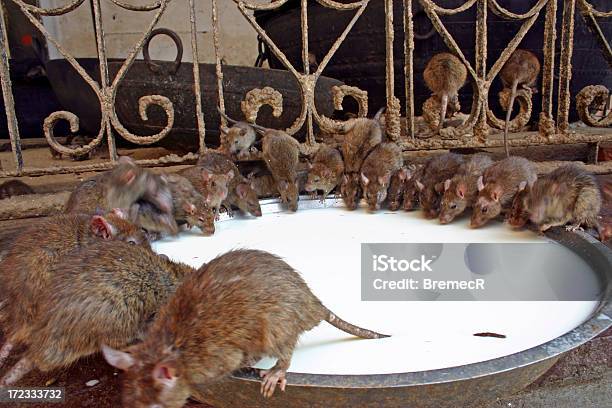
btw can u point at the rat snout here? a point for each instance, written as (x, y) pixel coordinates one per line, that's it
(445, 218)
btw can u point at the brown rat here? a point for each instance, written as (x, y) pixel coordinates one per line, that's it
(361, 136)
(189, 205)
(238, 139)
(568, 194)
(100, 294)
(240, 192)
(431, 183)
(13, 188)
(518, 216)
(410, 199)
(381, 164)
(461, 190)
(522, 68)
(241, 306)
(281, 154)
(208, 180)
(325, 171)
(397, 187)
(497, 187)
(444, 75)
(25, 269)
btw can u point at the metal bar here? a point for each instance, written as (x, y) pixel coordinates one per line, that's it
(481, 98)
(565, 65)
(310, 140)
(547, 123)
(409, 67)
(392, 115)
(104, 78)
(7, 94)
(196, 78)
(218, 69)
(593, 25)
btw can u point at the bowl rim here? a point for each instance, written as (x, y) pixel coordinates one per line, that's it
(599, 257)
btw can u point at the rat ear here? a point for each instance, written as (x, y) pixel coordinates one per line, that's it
(118, 359)
(403, 174)
(364, 179)
(128, 177)
(480, 184)
(230, 174)
(241, 190)
(496, 194)
(189, 208)
(345, 178)
(206, 175)
(243, 132)
(522, 185)
(419, 185)
(164, 374)
(120, 213)
(309, 165)
(461, 190)
(439, 187)
(447, 184)
(102, 228)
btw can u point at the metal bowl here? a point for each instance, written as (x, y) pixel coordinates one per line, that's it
(466, 385)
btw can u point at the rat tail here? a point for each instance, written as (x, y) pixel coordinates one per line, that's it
(443, 106)
(508, 114)
(351, 328)
(260, 129)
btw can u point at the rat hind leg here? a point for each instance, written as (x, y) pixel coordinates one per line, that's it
(276, 375)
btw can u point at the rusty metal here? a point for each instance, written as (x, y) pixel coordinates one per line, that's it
(472, 132)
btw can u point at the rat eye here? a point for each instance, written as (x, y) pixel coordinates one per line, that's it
(484, 210)
(132, 241)
(453, 206)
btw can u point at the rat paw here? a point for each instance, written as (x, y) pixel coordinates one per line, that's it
(270, 379)
(574, 228)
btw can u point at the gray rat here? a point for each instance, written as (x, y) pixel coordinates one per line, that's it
(431, 182)
(381, 164)
(100, 294)
(26, 268)
(121, 187)
(243, 305)
(444, 75)
(325, 171)
(461, 190)
(361, 136)
(13, 188)
(238, 139)
(522, 68)
(568, 194)
(497, 187)
(518, 216)
(281, 154)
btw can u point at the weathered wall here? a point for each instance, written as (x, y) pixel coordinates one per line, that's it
(123, 29)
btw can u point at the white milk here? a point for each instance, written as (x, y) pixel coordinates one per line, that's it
(324, 245)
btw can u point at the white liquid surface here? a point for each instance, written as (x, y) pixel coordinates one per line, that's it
(324, 246)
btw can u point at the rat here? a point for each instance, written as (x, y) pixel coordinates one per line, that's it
(381, 164)
(238, 139)
(100, 294)
(13, 188)
(361, 136)
(498, 186)
(325, 171)
(522, 68)
(461, 190)
(518, 216)
(397, 187)
(243, 305)
(240, 192)
(431, 182)
(26, 267)
(444, 75)
(189, 205)
(120, 188)
(568, 194)
(210, 177)
(281, 154)
(410, 200)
